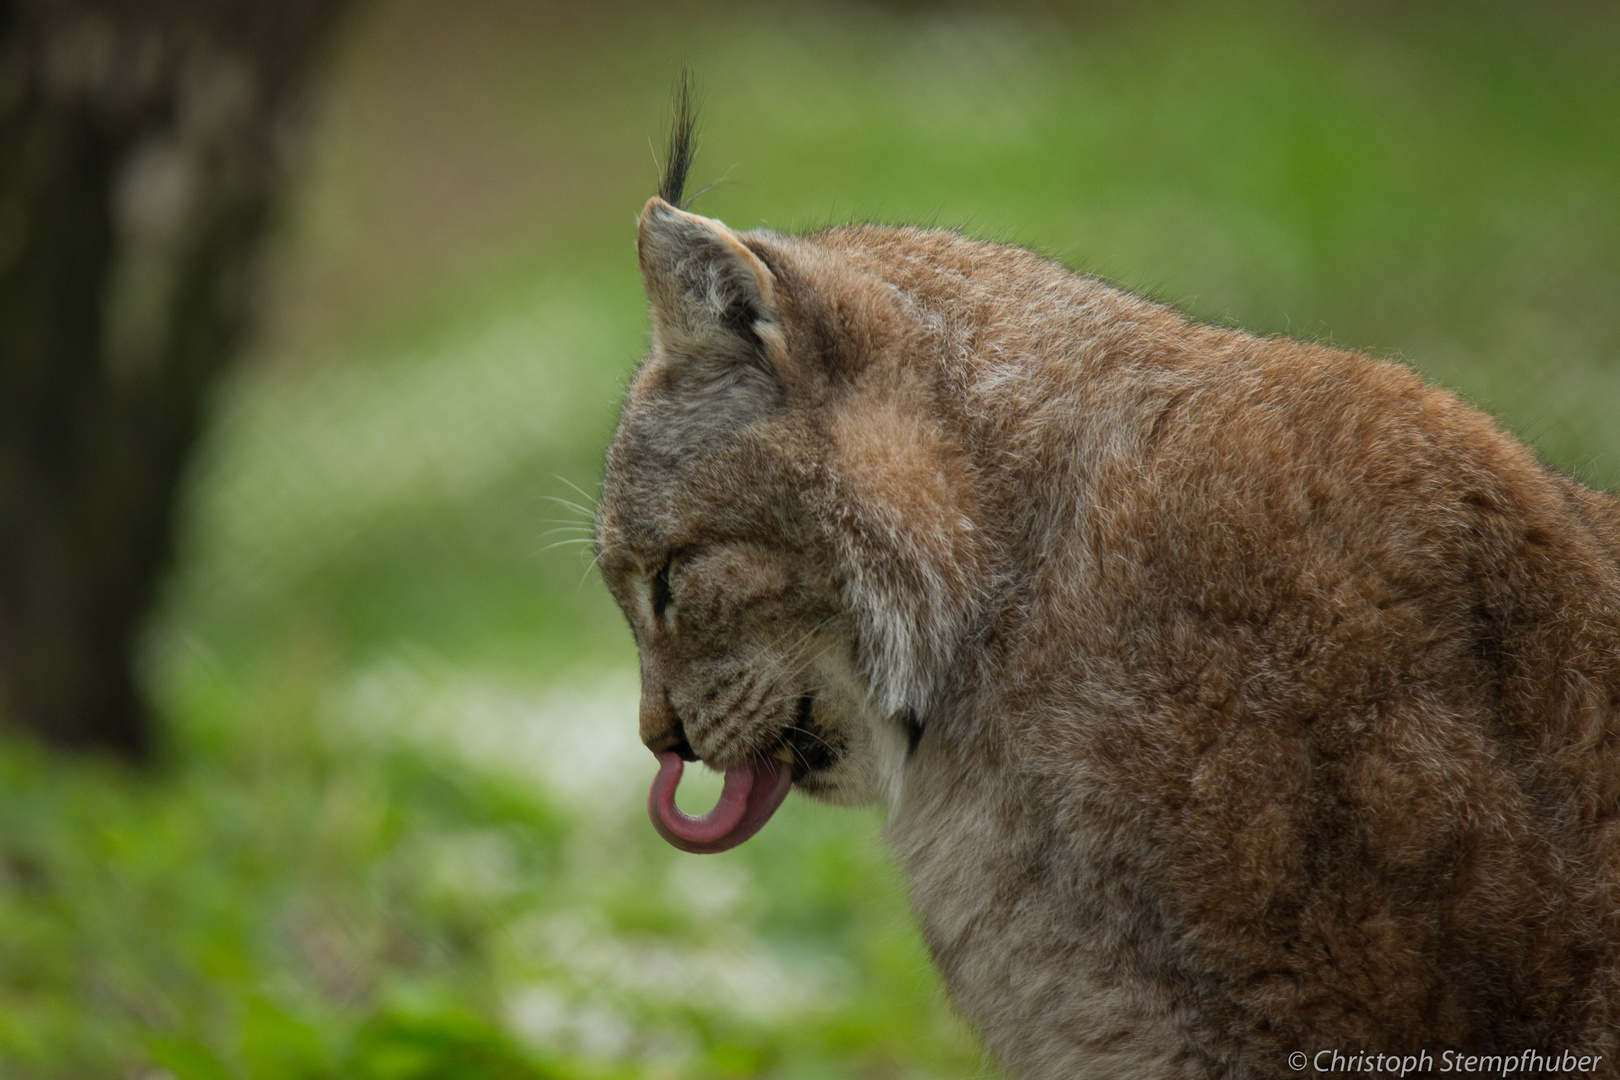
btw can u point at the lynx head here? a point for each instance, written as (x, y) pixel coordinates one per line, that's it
(782, 519)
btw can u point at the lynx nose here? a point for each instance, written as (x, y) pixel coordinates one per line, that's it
(673, 739)
(661, 729)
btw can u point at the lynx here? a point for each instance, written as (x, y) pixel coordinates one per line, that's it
(1229, 697)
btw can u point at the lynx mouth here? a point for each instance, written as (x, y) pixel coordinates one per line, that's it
(751, 795)
(804, 742)
(752, 792)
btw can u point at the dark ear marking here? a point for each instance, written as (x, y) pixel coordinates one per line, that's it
(711, 294)
(682, 145)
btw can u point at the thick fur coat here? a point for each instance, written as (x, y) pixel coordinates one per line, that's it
(1229, 696)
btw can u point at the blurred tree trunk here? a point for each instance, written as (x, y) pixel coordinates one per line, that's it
(139, 148)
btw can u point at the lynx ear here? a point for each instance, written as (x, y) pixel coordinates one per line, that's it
(710, 295)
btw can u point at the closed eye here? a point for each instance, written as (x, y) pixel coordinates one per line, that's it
(660, 592)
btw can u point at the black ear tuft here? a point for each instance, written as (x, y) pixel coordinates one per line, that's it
(682, 142)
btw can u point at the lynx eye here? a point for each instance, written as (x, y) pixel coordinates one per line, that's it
(660, 591)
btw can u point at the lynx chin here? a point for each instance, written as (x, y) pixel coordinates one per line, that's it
(1228, 696)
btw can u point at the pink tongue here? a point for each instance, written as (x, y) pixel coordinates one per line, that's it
(748, 800)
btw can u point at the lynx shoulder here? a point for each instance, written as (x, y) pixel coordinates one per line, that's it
(1228, 696)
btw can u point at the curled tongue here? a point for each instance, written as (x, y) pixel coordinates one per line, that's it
(751, 795)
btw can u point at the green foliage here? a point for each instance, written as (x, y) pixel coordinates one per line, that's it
(397, 832)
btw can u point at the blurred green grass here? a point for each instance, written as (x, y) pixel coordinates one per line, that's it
(397, 830)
